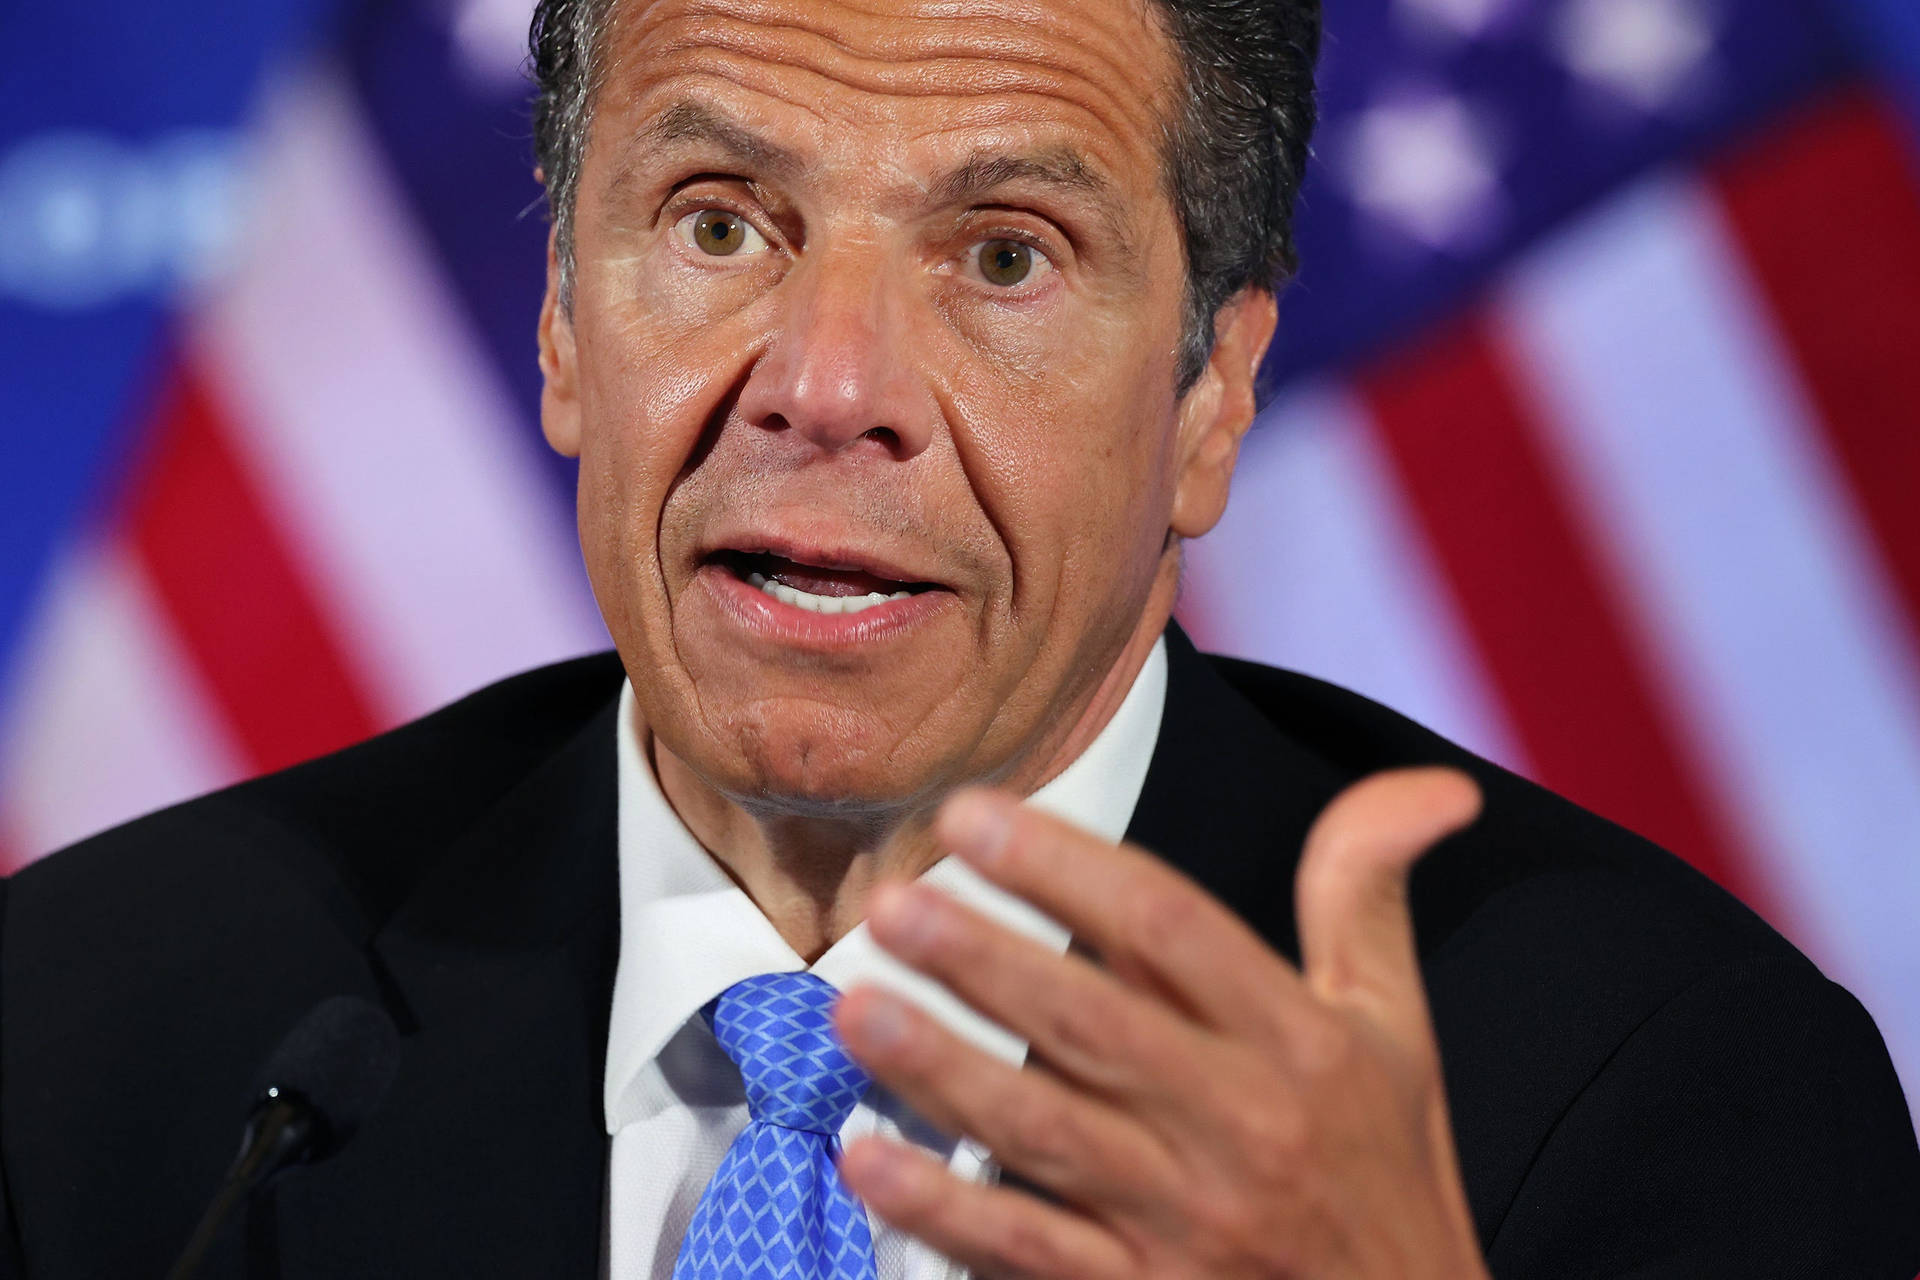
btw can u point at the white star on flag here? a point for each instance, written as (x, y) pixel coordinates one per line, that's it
(1464, 18)
(1425, 168)
(1644, 51)
(491, 36)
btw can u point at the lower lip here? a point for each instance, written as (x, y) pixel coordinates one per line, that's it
(789, 624)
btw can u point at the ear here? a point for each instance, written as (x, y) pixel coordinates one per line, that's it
(1218, 409)
(559, 396)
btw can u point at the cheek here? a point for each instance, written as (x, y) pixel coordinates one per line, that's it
(1070, 463)
(647, 397)
(663, 342)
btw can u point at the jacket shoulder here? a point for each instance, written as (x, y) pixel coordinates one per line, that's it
(357, 826)
(1525, 837)
(1752, 1125)
(1610, 1017)
(155, 965)
(1528, 841)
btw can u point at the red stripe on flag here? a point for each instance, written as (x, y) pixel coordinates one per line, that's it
(1828, 213)
(232, 591)
(1550, 631)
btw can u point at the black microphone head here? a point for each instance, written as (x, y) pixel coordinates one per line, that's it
(340, 1060)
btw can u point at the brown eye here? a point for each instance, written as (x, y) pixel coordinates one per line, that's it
(717, 232)
(1005, 262)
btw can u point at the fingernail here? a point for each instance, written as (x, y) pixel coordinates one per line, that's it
(903, 919)
(977, 824)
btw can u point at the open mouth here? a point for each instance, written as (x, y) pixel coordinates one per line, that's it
(816, 588)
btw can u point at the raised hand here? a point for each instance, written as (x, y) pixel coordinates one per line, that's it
(1193, 1104)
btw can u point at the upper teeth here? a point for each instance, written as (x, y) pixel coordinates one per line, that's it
(821, 604)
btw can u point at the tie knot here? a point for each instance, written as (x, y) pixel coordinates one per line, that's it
(778, 1027)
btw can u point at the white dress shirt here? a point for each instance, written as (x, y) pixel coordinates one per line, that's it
(674, 1101)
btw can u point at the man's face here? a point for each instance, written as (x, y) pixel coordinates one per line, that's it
(870, 370)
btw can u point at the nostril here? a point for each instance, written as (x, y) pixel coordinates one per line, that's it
(884, 435)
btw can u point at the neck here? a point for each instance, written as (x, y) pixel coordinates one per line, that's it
(811, 876)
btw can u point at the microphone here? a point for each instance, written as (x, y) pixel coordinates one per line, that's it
(322, 1080)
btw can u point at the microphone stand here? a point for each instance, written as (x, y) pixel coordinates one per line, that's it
(280, 1131)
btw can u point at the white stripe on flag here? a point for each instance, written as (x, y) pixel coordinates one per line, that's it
(1316, 567)
(1703, 463)
(381, 434)
(110, 722)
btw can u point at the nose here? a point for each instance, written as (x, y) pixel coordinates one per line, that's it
(837, 370)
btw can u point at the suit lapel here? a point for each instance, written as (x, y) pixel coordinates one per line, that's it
(489, 1155)
(1228, 798)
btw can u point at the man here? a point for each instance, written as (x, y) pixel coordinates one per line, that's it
(901, 346)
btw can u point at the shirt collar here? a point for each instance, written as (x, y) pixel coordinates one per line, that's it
(687, 932)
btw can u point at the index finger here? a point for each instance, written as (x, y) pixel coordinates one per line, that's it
(1153, 926)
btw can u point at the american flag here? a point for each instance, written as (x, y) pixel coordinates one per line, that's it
(1593, 439)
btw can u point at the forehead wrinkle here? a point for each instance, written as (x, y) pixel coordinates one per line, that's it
(995, 64)
(896, 33)
(954, 60)
(931, 75)
(832, 108)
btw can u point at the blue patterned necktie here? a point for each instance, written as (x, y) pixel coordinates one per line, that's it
(776, 1208)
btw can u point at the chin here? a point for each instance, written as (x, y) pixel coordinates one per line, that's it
(818, 778)
(819, 769)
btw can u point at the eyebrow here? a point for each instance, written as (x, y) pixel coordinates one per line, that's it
(688, 121)
(983, 172)
(1059, 168)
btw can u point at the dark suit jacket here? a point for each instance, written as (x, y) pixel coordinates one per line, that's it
(1644, 1079)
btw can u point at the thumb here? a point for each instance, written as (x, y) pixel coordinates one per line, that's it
(1350, 896)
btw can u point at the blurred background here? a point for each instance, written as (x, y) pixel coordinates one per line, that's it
(1594, 439)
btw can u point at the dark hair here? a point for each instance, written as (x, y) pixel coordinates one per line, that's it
(1236, 148)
